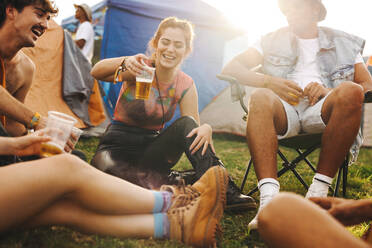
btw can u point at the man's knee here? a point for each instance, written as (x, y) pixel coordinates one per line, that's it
(349, 95)
(261, 99)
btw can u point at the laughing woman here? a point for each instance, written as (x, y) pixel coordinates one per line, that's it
(135, 146)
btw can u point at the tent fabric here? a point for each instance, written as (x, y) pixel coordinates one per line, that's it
(129, 25)
(96, 108)
(224, 115)
(77, 81)
(199, 12)
(46, 90)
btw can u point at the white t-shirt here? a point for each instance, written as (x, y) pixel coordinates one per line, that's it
(85, 32)
(306, 69)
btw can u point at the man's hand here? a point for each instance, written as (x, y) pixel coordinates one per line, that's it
(287, 90)
(71, 142)
(314, 92)
(348, 212)
(29, 144)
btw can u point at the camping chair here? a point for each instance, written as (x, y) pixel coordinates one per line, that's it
(303, 144)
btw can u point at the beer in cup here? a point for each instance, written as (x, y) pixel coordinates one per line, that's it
(59, 126)
(144, 82)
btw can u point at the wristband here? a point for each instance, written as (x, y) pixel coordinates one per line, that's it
(34, 121)
(123, 66)
(117, 76)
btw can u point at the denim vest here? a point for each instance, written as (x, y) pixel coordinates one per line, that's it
(336, 59)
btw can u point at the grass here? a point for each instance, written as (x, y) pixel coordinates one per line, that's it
(234, 152)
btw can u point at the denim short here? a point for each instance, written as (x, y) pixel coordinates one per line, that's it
(303, 118)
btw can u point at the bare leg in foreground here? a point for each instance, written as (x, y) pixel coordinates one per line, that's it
(292, 221)
(66, 181)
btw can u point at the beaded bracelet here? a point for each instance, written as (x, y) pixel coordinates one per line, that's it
(34, 121)
(123, 66)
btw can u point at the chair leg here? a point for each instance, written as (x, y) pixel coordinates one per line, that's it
(306, 161)
(253, 191)
(335, 192)
(246, 174)
(345, 174)
(342, 171)
(292, 166)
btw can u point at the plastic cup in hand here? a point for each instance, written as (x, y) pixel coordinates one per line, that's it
(59, 126)
(75, 133)
(144, 82)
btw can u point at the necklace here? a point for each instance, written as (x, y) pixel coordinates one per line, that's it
(161, 101)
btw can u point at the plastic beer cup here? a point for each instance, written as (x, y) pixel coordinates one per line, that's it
(144, 82)
(59, 126)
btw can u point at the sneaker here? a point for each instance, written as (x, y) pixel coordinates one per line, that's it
(194, 220)
(315, 191)
(236, 201)
(264, 200)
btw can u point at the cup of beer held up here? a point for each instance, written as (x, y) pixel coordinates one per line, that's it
(144, 82)
(59, 126)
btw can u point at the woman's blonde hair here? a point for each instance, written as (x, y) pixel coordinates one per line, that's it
(172, 22)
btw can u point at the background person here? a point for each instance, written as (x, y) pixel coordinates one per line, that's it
(84, 38)
(133, 146)
(313, 82)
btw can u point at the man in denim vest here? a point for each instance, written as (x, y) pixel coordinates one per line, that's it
(313, 81)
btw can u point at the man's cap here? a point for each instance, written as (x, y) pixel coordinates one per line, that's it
(323, 11)
(86, 9)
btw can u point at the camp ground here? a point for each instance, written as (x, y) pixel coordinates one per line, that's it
(128, 25)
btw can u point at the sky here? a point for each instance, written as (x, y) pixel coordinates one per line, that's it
(258, 17)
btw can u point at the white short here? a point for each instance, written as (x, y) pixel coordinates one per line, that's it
(303, 118)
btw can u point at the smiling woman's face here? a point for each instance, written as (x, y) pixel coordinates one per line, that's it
(171, 48)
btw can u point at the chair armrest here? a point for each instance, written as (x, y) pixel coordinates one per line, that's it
(227, 78)
(237, 91)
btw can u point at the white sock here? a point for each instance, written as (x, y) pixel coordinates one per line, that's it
(319, 186)
(268, 187)
(321, 181)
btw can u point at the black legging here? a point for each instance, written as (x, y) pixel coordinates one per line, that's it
(145, 157)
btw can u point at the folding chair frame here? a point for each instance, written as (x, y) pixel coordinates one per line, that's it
(291, 165)
(302, 154)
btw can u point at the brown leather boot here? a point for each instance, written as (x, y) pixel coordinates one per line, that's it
(182, 194)
(194, 220)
